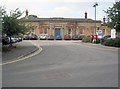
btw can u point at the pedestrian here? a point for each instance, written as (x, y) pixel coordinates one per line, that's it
(92, 37)
(96, 38)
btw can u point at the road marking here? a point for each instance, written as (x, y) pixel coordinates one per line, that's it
(26, 57)
(106, 48)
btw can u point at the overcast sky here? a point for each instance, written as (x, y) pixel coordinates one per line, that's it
(60, 8)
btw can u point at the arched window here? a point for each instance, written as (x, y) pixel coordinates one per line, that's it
(32, 32)
(45, 31)
(69, 31)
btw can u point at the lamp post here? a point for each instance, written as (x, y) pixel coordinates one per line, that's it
(95, 17)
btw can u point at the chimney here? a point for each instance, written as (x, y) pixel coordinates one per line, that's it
(26, 14)
(85, 15)
(104, 20)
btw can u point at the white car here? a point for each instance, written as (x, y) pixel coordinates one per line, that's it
(14, 40)
(43, 36)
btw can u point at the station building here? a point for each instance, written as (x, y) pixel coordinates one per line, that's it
(64, 26)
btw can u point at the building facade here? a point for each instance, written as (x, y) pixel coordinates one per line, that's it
(63, 26)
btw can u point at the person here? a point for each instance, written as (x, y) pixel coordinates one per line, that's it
(92, 37)
(96, 38)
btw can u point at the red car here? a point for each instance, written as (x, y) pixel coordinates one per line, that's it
(67, 37)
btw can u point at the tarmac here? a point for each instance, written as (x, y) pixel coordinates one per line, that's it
(27, 47)
(22, 49)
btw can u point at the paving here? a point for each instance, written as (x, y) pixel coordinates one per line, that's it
(65, 64)
(22, 48)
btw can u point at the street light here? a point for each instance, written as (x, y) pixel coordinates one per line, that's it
(96, 4)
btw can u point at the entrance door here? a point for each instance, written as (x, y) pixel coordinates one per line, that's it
(57, 31)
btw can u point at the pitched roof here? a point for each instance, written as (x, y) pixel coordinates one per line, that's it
(34, 18)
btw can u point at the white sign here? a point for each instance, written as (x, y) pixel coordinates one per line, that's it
(113, 33)
(99, 33)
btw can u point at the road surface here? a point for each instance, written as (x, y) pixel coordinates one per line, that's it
(65, 64)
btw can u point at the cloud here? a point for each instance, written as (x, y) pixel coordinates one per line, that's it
(59, 8)
(54, 1)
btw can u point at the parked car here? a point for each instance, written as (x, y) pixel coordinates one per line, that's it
(80, 37)
(75, 37)
(67, 37)
(105, 37)
(43, 37)
(58, 37)
(20, 39)
(51, 37)
(26, 37)
(14, 39)
(34, 37)
(117, 37)
(5, 40)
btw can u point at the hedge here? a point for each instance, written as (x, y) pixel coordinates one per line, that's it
(112, 42)
(86, 39)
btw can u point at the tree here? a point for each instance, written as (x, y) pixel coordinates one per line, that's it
(11, 25)
(113, 14)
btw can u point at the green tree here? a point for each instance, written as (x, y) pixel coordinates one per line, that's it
(113, 14)
(11, 25)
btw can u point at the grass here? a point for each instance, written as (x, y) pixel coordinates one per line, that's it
(6, 48)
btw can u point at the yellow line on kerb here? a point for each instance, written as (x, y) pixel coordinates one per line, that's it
(102, 48)
(26, 57)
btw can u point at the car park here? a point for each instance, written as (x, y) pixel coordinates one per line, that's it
(51, 37)
(67, 37)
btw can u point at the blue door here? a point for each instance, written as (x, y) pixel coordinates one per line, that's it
(57, 32)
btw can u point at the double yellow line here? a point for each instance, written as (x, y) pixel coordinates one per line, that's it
(101, 48)
(21, 58)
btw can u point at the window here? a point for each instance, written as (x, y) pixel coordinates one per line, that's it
(45, 31)
(32, 32)
(69, 31)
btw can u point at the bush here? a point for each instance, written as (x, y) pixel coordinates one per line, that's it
(86, 39)
(112, 42)
(6, 48)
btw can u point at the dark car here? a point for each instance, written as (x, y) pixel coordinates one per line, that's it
(5, 40)
(117, 37)
(75, 37)
(67, 37)
(20, 39)
(105, 37)
(51, 37)
(58, 37)
(80, 37)
(34, 37)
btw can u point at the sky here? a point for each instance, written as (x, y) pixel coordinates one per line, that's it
(60, 8)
